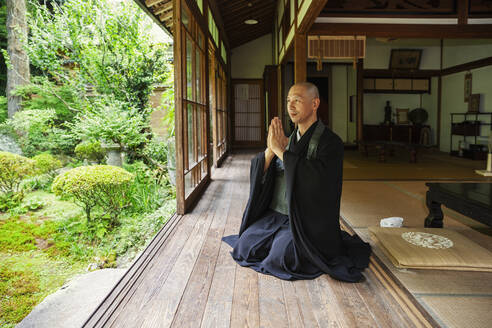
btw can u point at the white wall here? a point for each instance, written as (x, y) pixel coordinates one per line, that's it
(378, 52)
(339, 101)
(248, 60)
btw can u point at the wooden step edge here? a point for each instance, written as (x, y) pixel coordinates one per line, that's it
(107, 306)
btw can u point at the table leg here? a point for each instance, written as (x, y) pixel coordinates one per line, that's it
(435, 217)
(413, 155)
(382, 152)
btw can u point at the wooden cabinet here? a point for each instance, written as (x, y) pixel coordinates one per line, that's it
(400, 133)
(396, 85)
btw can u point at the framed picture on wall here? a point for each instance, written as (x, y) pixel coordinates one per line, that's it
(405, 59)
(402, 116)
(468, 86)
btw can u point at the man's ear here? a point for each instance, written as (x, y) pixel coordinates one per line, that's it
(316, 103)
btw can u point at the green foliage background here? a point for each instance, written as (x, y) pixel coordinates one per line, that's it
(3, 45)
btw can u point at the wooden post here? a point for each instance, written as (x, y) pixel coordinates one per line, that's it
(439, 98)
(300, 57)
(178, 107)
(281, 100)
(360, 98)
(463, 12)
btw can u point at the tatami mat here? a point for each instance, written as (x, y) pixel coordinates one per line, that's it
(366, 203)
(454, 298)
(430, 165)
(432, 248)
(419, 281)
(461, 312)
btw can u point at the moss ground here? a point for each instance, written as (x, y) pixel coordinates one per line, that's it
(41, 249)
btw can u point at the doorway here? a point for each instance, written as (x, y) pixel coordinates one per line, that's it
(324, 108)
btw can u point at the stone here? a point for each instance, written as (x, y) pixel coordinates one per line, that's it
(74, 302)
(8, 144)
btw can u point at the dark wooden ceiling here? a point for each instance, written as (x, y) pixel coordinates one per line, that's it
(235, 12)
(160, 10)
(395, 7)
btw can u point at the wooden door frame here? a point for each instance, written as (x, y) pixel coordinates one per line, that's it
(248, 144)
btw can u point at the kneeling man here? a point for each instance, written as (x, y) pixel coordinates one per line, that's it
(290, 227)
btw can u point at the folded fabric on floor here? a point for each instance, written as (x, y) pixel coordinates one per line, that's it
(431, 248)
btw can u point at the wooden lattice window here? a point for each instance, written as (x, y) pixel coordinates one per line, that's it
(194, 102)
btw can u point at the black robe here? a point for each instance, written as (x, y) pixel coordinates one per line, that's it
(309, 241)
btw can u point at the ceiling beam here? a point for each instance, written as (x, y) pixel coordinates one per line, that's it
(312, 13)
(164, 8)
(166, 16)
(477, 31)
(467, 66)
(150, 3)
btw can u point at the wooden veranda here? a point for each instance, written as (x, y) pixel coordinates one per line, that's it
(187, 278)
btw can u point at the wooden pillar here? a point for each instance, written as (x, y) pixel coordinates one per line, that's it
(178, 107)
(360, 98)
(463, 11)
(281, 100)
(439, 98)
(300, 58)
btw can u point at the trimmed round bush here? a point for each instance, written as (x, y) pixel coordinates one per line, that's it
(91, 151)
(96, 186)
(14, 168)
(46, 163)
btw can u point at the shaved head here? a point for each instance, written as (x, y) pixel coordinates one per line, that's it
(310, 88)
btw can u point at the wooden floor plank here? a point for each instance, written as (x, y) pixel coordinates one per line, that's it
(325, 309)
(245, 308)
(272, 305)
(306, 307)
(166, 301)
(380, 303)
(192, 305)
(351, 309)
(193, 281)
(157, 274)
(219, 304)
(296, 309)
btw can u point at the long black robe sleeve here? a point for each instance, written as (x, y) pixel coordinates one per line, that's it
(261, 191)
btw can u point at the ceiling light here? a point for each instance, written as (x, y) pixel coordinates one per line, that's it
(251, 21)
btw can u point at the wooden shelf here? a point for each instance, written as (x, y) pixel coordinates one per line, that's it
(396, 85)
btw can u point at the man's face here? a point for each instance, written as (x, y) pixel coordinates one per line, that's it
(301, 105)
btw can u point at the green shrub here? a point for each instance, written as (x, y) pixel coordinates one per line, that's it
(44, 94)
(101, 187)
(145, 193)
(38, 182)
(37, 134)
(90, 150)
(112, 122)
(13, 168)
(46, 163)
(3, 109)
(156, 149)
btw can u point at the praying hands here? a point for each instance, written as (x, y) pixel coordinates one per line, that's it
(277, 141)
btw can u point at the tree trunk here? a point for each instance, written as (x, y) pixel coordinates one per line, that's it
(18, 73)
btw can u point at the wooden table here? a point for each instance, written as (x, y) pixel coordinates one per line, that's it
(384, 147)
(471, 199)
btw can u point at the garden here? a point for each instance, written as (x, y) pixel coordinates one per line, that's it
(85, 183)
